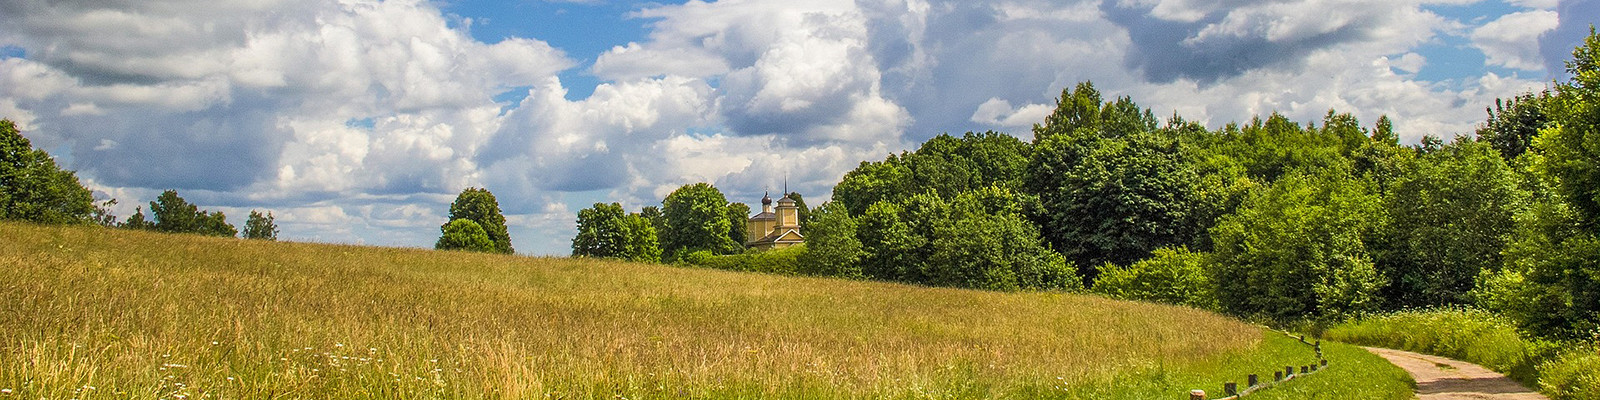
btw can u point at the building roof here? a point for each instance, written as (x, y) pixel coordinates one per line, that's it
(785, 200)
(764, 216)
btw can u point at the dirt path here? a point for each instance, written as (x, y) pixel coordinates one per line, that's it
(1440, 378)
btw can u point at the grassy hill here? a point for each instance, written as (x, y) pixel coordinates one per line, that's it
(89, 312)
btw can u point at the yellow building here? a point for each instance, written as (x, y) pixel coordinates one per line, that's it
(775, 228)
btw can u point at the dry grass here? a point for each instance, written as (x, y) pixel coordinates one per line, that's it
(97, 313)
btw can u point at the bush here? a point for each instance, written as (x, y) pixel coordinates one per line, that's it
(1170, 275)
(785, 261)
(1575, 375)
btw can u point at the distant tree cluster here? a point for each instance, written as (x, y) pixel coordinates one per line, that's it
(476, 224)
(170, 213)
(33, 188)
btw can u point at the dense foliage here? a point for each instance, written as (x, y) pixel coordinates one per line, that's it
(479, 206)
(464, 234)
(696, 219)
(170, 213)
(259, 226)
(33, 188)
(605, 230)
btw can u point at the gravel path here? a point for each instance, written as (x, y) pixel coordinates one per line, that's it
(1440, 378)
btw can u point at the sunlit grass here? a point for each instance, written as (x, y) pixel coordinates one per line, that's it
(99, 313)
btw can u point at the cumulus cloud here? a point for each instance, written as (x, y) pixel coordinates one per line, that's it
(1575, 19)
(358, 120)
(1210, 41)
(1512, 41)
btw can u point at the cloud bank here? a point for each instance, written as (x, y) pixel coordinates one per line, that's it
(358, 120)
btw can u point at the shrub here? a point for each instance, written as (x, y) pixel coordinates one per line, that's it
(1170, 275)
(1574, 375)
(785, 261)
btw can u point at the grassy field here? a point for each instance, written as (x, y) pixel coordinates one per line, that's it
(98, 313)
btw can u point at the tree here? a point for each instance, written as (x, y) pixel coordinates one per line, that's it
(1115, 200)
(1296, 250)
(872, 182)
(137, 221)
(260, 227)
(983, 245)
(1553, 268)
(1450, 216)
(642, 239)
(480, 206)
(832, 248)
(1513, 123)
(33, 188)
(697, 219)
(216, 224)
(173, 214)
(602, 232)
(465, 234)
(891, 250)
(739, 221)
(804, 213)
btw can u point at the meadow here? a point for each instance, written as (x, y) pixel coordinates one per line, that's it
(88, 312)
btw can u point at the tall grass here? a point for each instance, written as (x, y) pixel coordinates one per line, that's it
(97, 313)
(1560, 370)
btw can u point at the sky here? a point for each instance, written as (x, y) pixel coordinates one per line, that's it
(358, 121)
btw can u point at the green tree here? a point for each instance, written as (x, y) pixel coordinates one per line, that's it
(261, 227)
(872, 182)
(1296, 250)
(642, 239)
(603, 231)
(974, 246)
(697, 219)
(1170, 275)
(1513, 123)
(480, 206)
(216, 224)
(138, 221)
(892, 250)
(1450, 216)
(739, 221)
(465, 234)
(1551, 282)
(832, 248)
(1115, 200)
(33, 188)
(804, 213)
(173, 214)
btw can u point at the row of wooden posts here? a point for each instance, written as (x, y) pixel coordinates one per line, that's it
(1253, 382)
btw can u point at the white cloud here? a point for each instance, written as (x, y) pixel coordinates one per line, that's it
(999, 113)
(359, 120)
(1512, 41)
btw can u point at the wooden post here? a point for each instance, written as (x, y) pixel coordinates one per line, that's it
(1324, 363)
(1230, 388)
(1288, 371)
(1304, 369)
(1197, 394)
(1277, 376)
(1253, 380)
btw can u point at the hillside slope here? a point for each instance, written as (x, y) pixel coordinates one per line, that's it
(100, 313)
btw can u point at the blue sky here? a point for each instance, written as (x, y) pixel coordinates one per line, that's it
(357, 121)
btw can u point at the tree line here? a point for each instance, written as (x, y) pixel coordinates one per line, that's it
(1269, 219)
